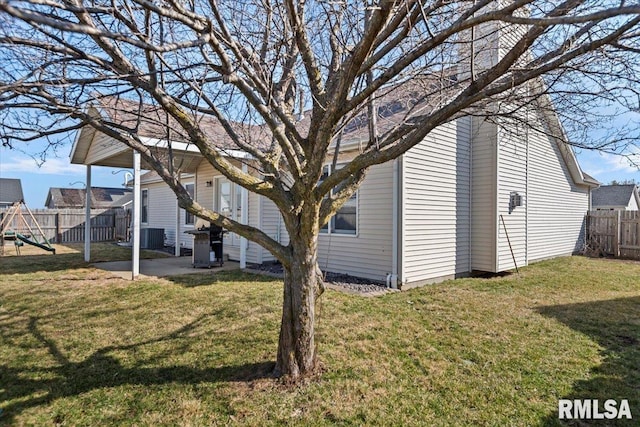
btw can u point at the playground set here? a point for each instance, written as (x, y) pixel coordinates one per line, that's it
(15, 228)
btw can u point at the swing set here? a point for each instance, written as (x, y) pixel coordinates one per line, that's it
(15, 227)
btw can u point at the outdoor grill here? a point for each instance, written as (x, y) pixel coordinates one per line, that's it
(207, 246)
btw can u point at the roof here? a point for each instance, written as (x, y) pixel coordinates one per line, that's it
(101, 197)
(613, 195)
(10, 190)
(396, 105)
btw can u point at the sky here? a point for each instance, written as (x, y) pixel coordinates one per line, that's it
(57, 171)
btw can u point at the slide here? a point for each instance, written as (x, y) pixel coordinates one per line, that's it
(32, 243)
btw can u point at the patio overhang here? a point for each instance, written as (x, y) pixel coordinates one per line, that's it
(94, 148)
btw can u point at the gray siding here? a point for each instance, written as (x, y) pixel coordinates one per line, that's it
(483, 200)
(556, 205)
(437, 204)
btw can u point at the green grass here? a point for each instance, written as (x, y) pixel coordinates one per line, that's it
(79, 347)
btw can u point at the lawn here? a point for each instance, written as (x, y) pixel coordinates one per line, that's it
(80, 347)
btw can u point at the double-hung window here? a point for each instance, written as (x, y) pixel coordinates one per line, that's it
(345, 220)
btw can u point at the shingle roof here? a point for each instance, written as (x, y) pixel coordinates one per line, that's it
(10, 190)
(397, 104)
(101, 197)
(612, 195)
(152, 121)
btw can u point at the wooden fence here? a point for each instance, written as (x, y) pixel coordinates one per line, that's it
(67, 225)
(614, 233)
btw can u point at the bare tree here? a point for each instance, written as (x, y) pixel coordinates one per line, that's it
(289, 81)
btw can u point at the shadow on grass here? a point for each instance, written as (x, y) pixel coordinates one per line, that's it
(70, 257)
(614, 325)
(219, 277)
(102, 370)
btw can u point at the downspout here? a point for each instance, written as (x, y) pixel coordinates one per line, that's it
(244, 214)
(392, 279)
(470, 188)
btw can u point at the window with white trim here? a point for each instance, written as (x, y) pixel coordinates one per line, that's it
(345, 220)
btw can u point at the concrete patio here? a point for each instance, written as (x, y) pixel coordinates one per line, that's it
(161, 267)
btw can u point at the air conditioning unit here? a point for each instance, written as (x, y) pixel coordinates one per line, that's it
(152, 238)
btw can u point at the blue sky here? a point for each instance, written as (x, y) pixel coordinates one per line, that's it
(58, 172)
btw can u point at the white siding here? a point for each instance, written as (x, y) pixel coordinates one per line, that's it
(272, 224)
(437, 204)
(162, 214)
(369, 253)
(556, 205)
(483, 198)
(512, 177)
(103, 147)
(633, 204)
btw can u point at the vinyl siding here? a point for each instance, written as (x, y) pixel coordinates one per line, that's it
(437, 204)
(273, 225)
(556, 205)
(162, 214)
(103, 147)
(368, 254)
(512, 177)
(483, 199)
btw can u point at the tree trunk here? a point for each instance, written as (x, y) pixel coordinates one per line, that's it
(302, 286)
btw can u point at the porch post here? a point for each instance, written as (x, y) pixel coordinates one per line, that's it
(176, 250)
(244, 196)
(135, 257)
(87, 217)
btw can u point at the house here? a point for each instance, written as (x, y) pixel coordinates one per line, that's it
(616, 198)
(10, 192)
(470, 197)
(101, 198)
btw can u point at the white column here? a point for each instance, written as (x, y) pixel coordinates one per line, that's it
(176, 251)
(244, 219)
(87, 217)
(135, 232)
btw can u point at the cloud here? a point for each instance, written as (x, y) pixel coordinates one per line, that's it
(621, 164)
(49, 167)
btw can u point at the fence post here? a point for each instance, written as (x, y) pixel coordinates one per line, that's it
(618, 235)
(57, 223)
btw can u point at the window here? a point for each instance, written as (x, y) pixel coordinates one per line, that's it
(189, 218)
(229, 204)
(345, 221)
(144, 206)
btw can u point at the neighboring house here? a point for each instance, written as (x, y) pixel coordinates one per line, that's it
(101, 198)
(10, 192)
(616, 198)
